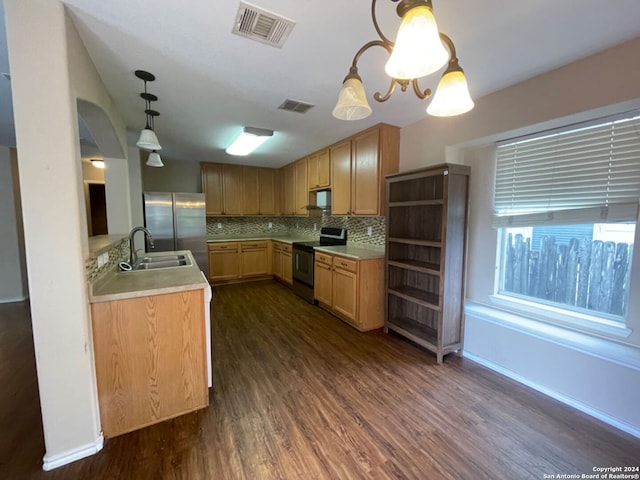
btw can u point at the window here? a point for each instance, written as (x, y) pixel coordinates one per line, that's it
(566, 205)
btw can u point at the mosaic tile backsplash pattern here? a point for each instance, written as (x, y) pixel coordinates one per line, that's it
(303, 226)
(118, 253)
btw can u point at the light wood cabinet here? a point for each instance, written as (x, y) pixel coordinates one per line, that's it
(281, 261)
(287, 186)
(212, 188)
(232, 183)
(254, 259)
(301, 196)
(224, 261)
(426, 244)
(319, 170)
(239, 190)
(351, 289)
(358, 169)
(150, 358)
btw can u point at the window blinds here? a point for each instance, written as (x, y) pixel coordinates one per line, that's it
(588, 174)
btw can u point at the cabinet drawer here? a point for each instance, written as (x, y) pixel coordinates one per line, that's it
(324, 258)
(277, 246)
(345, 264)
(223, 247)
(286, 247)
(253, 245)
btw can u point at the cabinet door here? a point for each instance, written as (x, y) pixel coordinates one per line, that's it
(254, 261)
(250, 191)
(341, 178)
(302, 192)
(364, 174)
(266, 191)
(324, 169)
(224, 265)
(287, 267)
(276, 263)
(232, 189)
(323, 281)
(345, 293)
(288, 185)
(312, 171)
(212, 188)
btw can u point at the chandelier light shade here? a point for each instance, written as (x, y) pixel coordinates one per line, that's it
(419, 50)
(352, 100)
(250, 139)
(452, 95)
(154, 160)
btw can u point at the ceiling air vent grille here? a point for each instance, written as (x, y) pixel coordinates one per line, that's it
(295, 106)
(261, 25)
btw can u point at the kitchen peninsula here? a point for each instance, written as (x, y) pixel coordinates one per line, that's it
(151, 344)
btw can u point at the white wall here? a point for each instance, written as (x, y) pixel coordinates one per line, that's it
(43, 44)
(598, 373)
(12, 273)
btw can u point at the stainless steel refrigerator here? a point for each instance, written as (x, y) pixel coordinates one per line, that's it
(177, 221)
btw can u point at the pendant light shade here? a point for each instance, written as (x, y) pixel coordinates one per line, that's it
(452, 95)
(148, 140)
(352, 100)
(154, 160)
(418, 50)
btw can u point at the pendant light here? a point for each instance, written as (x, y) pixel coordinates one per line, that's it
(148, 139)
(154, 160)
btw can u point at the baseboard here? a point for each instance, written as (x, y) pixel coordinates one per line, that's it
(608, 419)
(49, 462)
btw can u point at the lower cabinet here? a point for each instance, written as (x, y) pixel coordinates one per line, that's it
(281, 261)
(224, 261)
(351, 289)
(231, 262)
(150, 357)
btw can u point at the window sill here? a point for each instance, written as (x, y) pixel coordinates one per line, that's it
(589, 324)
(610, 349)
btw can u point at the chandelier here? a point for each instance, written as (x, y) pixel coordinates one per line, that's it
(419, 50)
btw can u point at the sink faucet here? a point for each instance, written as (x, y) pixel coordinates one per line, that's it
(134, 256)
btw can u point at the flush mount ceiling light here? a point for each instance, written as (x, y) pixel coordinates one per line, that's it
(148, 139)
(96, 162)
(417, 51)
(154, 160)
(250, 139)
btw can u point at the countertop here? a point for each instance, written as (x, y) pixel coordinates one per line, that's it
(356, 251)
(103, 243)
(117, 285)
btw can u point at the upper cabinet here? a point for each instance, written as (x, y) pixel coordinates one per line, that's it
(358, 168)
(354, 169)
(319, 170)
(239, 190)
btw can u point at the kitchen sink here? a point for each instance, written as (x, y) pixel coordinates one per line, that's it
(162, 261)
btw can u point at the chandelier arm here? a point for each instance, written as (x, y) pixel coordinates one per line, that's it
(378, 97)
(377, 27)
(418, 91)
(449, 43)
(367, 46)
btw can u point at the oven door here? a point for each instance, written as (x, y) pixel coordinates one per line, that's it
(303, 265)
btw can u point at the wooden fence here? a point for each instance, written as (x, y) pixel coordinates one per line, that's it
(586, 274)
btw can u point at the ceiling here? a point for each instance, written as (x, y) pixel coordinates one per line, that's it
(210, 82)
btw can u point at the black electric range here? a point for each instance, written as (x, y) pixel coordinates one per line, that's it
(303, 259)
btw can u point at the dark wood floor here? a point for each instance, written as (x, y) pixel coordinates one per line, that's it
(300, 395)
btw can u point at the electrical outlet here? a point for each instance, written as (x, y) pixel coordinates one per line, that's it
(315, 227)
(219, 225)
(369, 231)
(270, 224)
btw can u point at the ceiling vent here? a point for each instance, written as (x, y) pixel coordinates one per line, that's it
(262, 25)
(295, 106)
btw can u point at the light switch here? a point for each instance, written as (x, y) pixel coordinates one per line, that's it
(369, 231)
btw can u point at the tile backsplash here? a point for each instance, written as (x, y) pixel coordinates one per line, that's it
(119, 252)
(357, 227)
